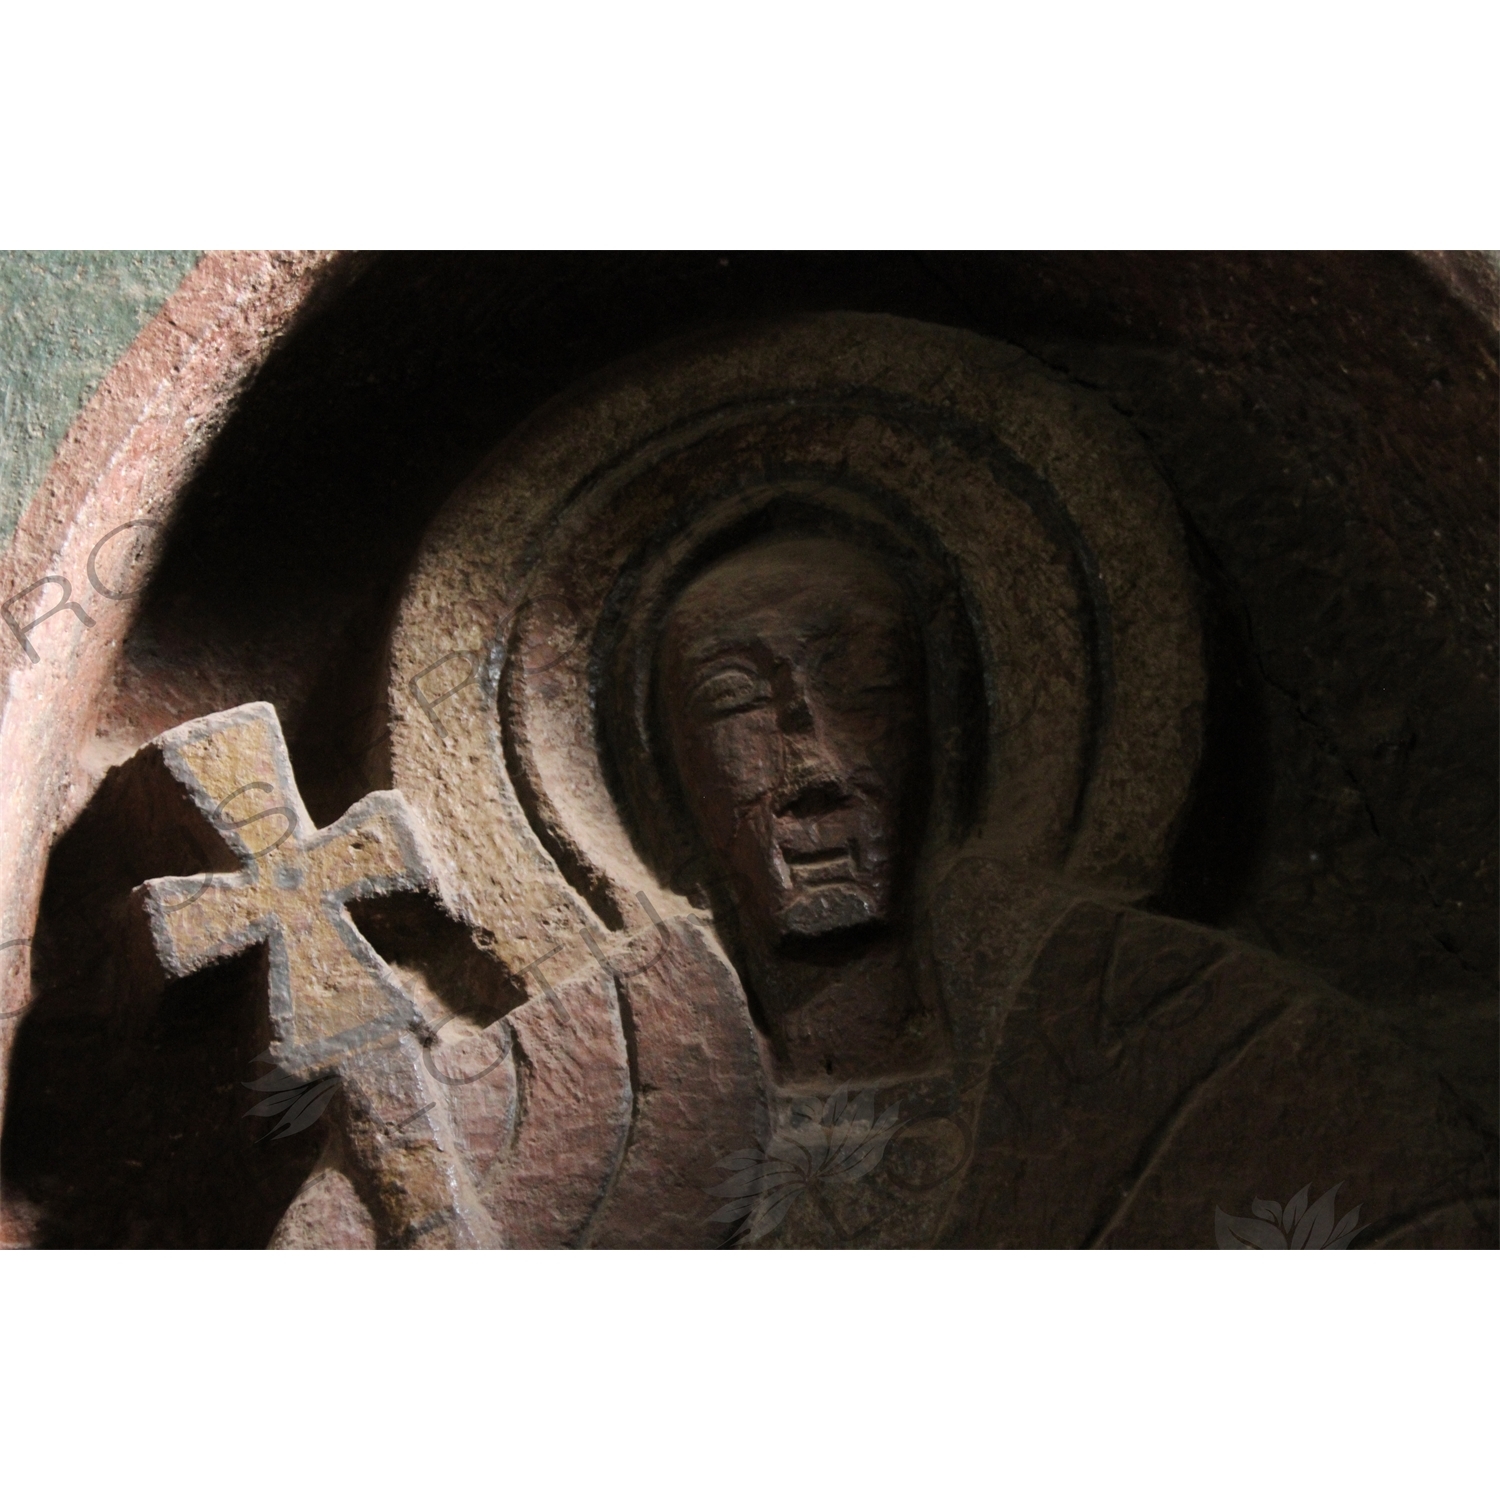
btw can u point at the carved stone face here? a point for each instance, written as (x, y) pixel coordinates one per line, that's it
(792, 689)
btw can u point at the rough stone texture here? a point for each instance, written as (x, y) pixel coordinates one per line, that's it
(578, 1103)
(328, 1214)
(1339, 511)
(65, 318)
(583, 488)
(114, 484)
(335, 1012)
(330, 990)
(698, 1079)
(1327, 423)
(1145, 1061)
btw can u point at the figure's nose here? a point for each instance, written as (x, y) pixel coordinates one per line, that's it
(796, 716)
(812, 782)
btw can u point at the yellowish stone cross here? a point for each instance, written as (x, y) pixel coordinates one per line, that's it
(334, 1005)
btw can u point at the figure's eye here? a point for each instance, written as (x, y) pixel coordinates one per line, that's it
(730, 691)
(864, 676)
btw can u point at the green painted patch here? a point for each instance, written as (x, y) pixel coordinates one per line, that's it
(65, 317)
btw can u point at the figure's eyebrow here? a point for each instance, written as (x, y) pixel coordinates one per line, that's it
(830, 627)
(719, 654)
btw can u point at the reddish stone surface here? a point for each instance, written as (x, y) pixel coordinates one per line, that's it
(123, 464)
(575, 1080)
(699, 1077)
(1323, 424)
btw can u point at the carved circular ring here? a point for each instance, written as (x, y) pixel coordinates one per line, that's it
(1031, 520)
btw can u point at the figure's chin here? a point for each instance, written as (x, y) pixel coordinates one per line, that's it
(828, 911)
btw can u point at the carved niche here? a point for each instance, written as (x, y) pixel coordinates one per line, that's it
(785, 732)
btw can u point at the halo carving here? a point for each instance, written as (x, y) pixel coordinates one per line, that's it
(1028, 520)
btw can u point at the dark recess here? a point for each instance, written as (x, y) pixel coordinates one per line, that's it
(1327, 423)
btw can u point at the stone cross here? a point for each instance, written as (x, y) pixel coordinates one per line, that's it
(335, 1008)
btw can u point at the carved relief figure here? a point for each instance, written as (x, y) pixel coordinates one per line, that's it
(791, 693)
(844, 735)
(821, 724)
(790, 697)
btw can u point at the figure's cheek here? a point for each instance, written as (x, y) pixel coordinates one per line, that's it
(883, 742)
(746, 755)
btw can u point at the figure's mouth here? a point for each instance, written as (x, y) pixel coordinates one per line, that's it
(820, 866)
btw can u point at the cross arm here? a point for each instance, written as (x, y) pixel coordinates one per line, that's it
(195, 920)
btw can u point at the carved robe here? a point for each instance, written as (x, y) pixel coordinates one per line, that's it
(1147, 1073)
